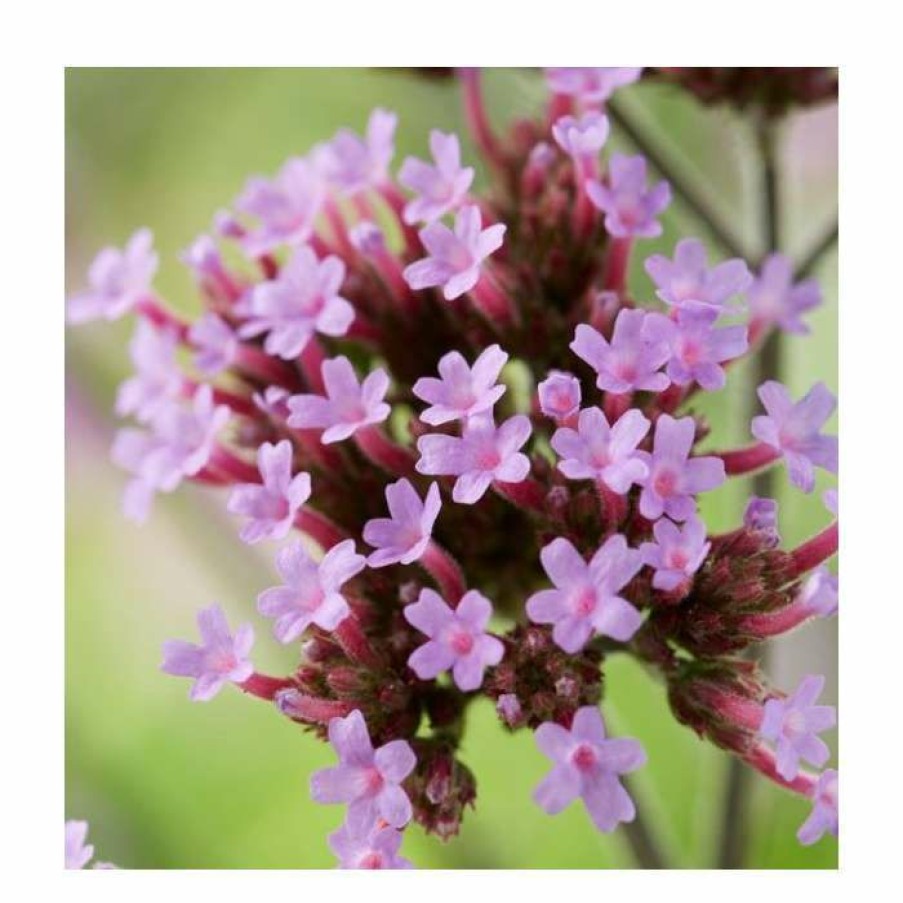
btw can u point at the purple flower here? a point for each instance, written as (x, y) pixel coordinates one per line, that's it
(352, 163)
(597, 451)
(793, 429)
(403, 537)
(219, 659)
(311, 592)
(773, 298)
(677, 553)
(369, 781)
(348, 404)
(272, 504)
(302, 300)
(367, 237)
(458, 639)
(215, 343)
(440, 188)
(454, 257)
(687, 280)
(78, 853)
(361, 844)
(824, 809)
(117, 281)
(585, 599)
(591, 85)
(559, 395)
(696, 346)
(630, 208)
(587, 765)
(157, 380)
(819, 593)
(203, 258)
(581, 138)
(482, 454)
(674, 477)
(178, 444)
(761, 515)
(462, 391)
(792, 725)
(629, 361)
(286, 207)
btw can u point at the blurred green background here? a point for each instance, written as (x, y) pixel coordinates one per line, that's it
(170, 784)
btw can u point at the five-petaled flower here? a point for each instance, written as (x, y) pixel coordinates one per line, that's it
(582, 138)
(457, 638)
(157, 380)
(454, 257)
(272, 504)
(348, 405)
(820, 593)
(361, 844)
(352, 163)
(462, 391)
(674, 476)
(440, 188)
(402, 537)
(311, 593)
(677, 553)
(597, 451)
(793, 723)
(587, 764)
(585, 599)
(774, 299)
(630, 207)
(792, 428)
(482, 454)
(823, 816)
(220, 659)
(368, 780)
(591, 85)
(215, 342)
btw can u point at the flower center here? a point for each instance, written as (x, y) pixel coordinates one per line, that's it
(584, 757)
(371, 860)
(678, 559)
(461, 642)
(585, 601)
(665, 483)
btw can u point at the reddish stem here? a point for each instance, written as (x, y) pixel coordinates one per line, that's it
(447, 573)
(816, 550)
(528, 494)
(260, 366)
(746, 460)
(762, 758)
(320, 528)
(495, 305)
(477, 120)
(152, 309)
(617, 262)
(301, 707)
(777, 622)
(355, 644)
(311, 362)
(383, 452)
(226, 463)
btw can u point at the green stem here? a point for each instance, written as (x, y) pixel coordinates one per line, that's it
(642, 842)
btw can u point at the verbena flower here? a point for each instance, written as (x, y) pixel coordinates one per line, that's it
(677, 553)
(774, 299)
(362, 845)
(824, 809)
(403, 537)
(591, 85)
(559, 395)
(630, 207)
(440, 188)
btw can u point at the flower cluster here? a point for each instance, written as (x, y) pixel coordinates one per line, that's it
(482, 455)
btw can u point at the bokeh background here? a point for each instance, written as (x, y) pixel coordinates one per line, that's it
(170, 784)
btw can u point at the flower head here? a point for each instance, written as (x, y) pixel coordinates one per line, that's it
(591, 85)
(697, 347)
(302, 300)
(483, 453)
(774, 299)
(311, 593)
(286, 207)
(439, 188)
(157, 380)
(559, 395)
(630, 208)
(793, 724)
(582, 138)
(458, 641)
(360, 844)
(462, 391)
(688, 281)
(454, 257)
(587, 765)
(271, 505)
(793, 429)
(220, 659)
(178, 444)
(402, 537)
(823, 816)
(629, 361)
(117, 281)
(675, 477)
(348, 405)
(585, 599)
(677, 553)
(368, 780)
(352, 163)
(215, 343)
(597, 451)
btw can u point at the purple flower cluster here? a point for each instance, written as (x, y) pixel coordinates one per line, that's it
(487, 406)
